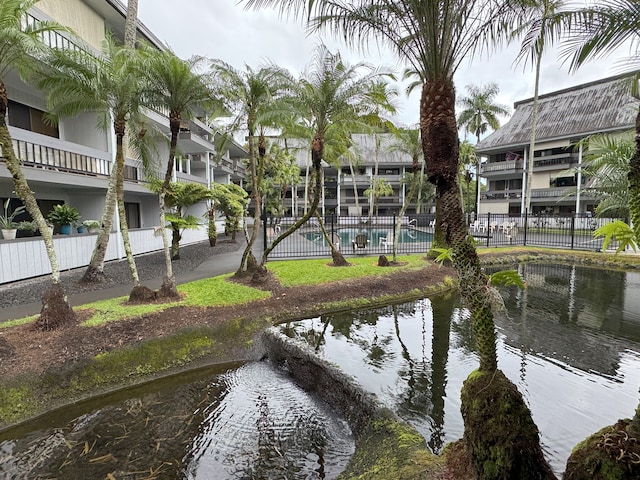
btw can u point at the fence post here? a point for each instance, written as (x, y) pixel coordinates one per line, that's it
(573, 230)
(526, 225)
(264, 230)
(488, 228)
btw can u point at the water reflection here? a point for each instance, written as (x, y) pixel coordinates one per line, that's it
(267, 428)
(250, 422)
(570, 342)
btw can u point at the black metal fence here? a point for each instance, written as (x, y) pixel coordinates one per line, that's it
(374, 235)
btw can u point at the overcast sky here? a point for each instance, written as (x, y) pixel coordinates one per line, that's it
(225, 30)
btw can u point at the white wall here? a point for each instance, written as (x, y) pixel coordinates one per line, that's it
(26, 257)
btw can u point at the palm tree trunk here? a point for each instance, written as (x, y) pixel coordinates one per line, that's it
(440, 145)
(56, 310)
(95, 270)
(130, 24)
(532, 141)
(257, 172)
(355, 185)
(317, 150)
(168, 288)
(336, 256)
(124, 228)
(403, 209)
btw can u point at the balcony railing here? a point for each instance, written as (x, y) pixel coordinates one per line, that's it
(44, 156)
(502, 166)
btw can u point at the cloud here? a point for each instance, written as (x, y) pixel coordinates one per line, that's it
(225, 30)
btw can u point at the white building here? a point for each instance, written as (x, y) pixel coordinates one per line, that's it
(70, 163)
(564, 118)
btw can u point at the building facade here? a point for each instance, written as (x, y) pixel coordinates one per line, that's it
(71, 162)
(564, 118)
(347, 183)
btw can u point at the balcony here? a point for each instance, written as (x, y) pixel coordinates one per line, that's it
(498, 169)
(43, 152)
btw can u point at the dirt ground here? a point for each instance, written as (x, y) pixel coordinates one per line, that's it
(25, 349)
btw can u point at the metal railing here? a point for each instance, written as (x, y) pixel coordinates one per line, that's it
(352, 235)
(416, 233)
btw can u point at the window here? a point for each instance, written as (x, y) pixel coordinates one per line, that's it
(133, 214)
(28, 118)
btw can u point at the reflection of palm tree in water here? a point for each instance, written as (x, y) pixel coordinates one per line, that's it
(425, 394)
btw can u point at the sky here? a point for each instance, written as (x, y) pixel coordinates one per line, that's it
(225, 30)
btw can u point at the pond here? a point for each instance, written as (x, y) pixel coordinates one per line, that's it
(243, 422)
(570, 342)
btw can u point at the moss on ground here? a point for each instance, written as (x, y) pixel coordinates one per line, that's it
(26, 397)
(391, 449)
(609, 454)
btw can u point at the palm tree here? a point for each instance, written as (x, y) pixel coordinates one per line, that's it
(480, 113)
(433, 38)
(77, 82)
(543, 26)
(172, 83)
(597, 31)
(179, 196)
(407, 142)
(251, 96)
(606, 164)
(331, 100)
(20, 49)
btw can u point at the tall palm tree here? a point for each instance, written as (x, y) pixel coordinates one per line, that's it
(433, 38)
(331, 100)
(480, 113)
(543, 27)
(175, 84)
(251, 97)
(78, 82)
(20, 49)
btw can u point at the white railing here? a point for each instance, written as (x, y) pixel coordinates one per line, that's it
(26, 257)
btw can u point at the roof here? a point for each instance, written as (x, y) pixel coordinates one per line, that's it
(365, 145)
(602, 106)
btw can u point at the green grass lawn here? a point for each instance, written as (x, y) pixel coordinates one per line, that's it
(217, 291)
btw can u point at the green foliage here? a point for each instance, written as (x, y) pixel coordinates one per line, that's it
(63, 214)
(232, 201)
(618, 231)
(507, 278)
(6, 220)
(444, 255)
(182, 223)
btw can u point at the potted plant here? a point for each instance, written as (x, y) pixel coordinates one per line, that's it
(28, 227)
(7, 225)
(64, 217)
(91, 225)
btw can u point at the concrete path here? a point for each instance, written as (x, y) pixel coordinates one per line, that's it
(213, 266)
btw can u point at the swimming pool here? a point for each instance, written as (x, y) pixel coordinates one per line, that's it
(348, 235)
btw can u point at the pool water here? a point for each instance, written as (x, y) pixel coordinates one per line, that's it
(348, 235)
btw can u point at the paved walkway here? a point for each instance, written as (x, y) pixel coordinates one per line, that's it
(215, 265)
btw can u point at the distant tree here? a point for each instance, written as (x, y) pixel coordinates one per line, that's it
(232, 201)
(179, 197)
(480, 113)
(252, 98)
